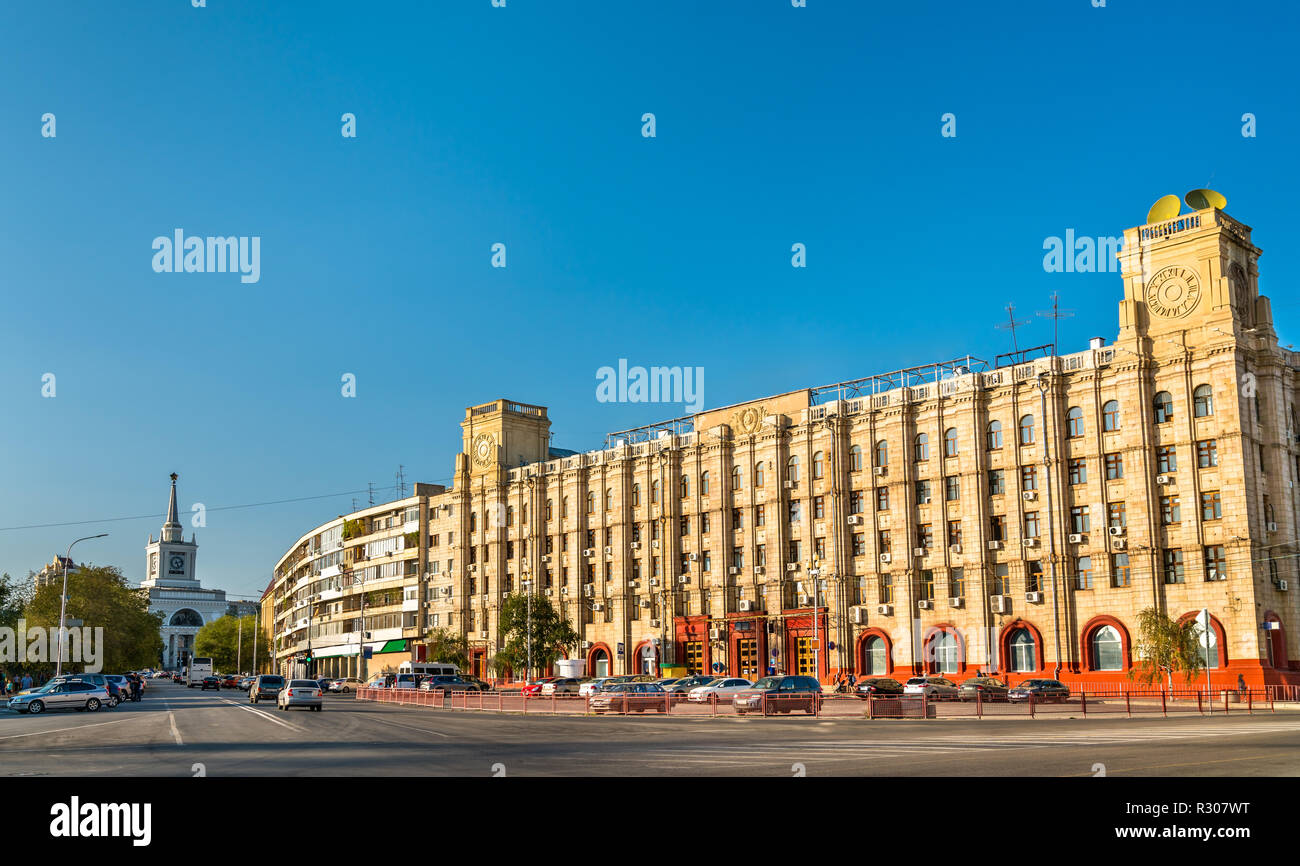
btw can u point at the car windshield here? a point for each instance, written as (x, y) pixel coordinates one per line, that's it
(917, 681)
(767, 683)
(271, 681)
(302, 684)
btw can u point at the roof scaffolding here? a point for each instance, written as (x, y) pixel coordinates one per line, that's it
(904, 378)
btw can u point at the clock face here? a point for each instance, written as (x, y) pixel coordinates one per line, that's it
(176, 564)
(1173, 292)
(482, 449)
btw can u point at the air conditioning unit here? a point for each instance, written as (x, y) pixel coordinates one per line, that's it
(655, 544)
(446, 590)
(885, 610)
(1029, 495)
(858, 615)
(995, 545)
(473, 568)
(805, 601)
(920, 551)
(564, 590)
(654, 623)
(954, 548)
(1283, 586)
(586, 644)
(654, 581)
(855, 520)
(549, 591)
(998, 603)
(716, 634)
(589, 552)
(1077, 538)
(1030, 542)
(925, 604)
(694, 557)
(735, 569)
(636, 545)
(925, 500)
(745, 605)
(645, 602)
(1116, 531)
(609, 551)
(589, 589)
(885, 557)
(792, 566)
(546, 557)
(880, 470)
(1164, 479)
(1118, 543)
(1031, 597)
(483, 634)
(596, 605)
(758, 569)
(956, 601)
(791, 485)
(684, 578)
(634, 584)
(1272, 527)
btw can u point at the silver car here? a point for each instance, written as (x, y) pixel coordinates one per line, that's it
(69, 695)
(300, 693)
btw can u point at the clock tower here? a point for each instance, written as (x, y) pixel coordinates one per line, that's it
(171, 557)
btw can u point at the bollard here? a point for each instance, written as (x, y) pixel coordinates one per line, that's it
(979, 703)
(1164, 706)
(1083, 701)
(1128, 704)
(1031, 705)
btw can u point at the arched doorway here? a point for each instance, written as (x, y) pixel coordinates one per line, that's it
(875, 658)
(645, 660)
(598, 662)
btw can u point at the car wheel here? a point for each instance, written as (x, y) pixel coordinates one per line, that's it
(36, 707)
(346, 690)
(93, 705)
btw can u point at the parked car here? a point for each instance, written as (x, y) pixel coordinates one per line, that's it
(933, 688)
(265, 686)
(213, 683)
(878, 687)
(120, 686)
(564, 686)
(245, 682)
(230, 681)
(684, 685)
(300, 693)
(590, 687)
(1042, 690)
(346, 684)
(66, 695)
(116, 694)
(483, 685)
(720, 688)
(177, 678)
(446, 683)
(784, 694)
(534, 688)
(986, 688)
(629, 698)
(324, 683)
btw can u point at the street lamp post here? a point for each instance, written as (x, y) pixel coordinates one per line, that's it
(239, 646)
(63, 600)
(528, 587)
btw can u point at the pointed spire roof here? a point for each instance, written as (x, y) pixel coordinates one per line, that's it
(172, 530)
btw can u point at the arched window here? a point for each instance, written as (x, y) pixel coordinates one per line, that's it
(1110, 416)
(1027, 430)
(1073, 423)
(186, 618)
(758, 474)
(792, 468)
(473, 521)
(510, 515)
(737, 478)
(882, 453)
(950, 442)
(550, 509)
(685, 487)
(1164, 406)
(1107, 649)
(704, 483)
(819, 465)
(564, 508)
(609, 499)
(1202, 401)
(1023, 655)
(591, 502)
(874, 657)
(636, 495)
(921, 447)
(855, 458)
(993, 435)
(947, 653)
(654, 492)
(1213, 657)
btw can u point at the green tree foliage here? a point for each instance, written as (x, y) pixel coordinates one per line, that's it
(1164, 647)
(551, 634)
(220, 638)
(101, 597)
(448, 647)
(14, 597)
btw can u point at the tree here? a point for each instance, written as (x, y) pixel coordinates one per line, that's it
(100, 597)
(448, 647)
(14, 597)
(551, 634)
(1164, 646)
(220, 638)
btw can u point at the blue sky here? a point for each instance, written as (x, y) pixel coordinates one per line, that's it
(522, 125)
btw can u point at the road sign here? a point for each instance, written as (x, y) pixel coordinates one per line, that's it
(717, 667)
(367, 652)
(620, 649)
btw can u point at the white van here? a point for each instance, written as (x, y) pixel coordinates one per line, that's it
(410, 674)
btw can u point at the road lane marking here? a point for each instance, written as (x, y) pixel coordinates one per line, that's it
(411, 727)
(60, 730)
(171, 719)
(271, 718)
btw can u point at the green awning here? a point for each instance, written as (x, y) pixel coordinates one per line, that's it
(393, 646)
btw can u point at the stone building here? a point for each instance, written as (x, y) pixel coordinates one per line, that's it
(957, 517)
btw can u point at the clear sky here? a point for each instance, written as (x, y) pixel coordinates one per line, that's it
(479, 125)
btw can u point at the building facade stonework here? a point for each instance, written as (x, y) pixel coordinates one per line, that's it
(961, 517)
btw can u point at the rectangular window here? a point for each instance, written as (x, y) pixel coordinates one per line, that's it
(882, 498)
(1216, 564)
(1078, 469)
(886, 589)
(997, 527)
(1211, 506)
(1028, 477)
(924, 535)
(1114, 467)
(760, 515)
(954, 533)
(859, 544)
(884, 541)
(819, 507)
(1080, 522)
(819, 549)
(1171, 512)
(927, 585)
(796, 511)
(957, 583)
(1001, 579)
(1083, 572)
(923, 493)
(1207, 453)
(855, 502)
(760, 555)
(1166, 459)
(1173, 566)
(706, 523)
(737, 518)
(1121, 574)
(1117, 515)
(997, 483)
(1031, 524)
(952, 488)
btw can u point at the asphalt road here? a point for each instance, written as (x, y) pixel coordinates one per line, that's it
(175, 731)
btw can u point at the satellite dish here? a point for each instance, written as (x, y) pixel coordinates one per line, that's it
(1165, 208)
(1200, 199)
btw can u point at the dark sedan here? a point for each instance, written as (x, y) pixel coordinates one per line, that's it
(685, 684)
(629, 698)
(878, 687)
(983, 688)
(1041, 690)
(213, 683)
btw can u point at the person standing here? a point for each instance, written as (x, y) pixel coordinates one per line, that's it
(27, 681)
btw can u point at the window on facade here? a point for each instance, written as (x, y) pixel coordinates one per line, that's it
(1164, 407)
(758, 474)
(1107, 649)
(951, 488)
(882, 498)
(997, 483)
(1001, 579)
(796, 511)
(921, 447)
(950, 442)
(1031, 524)
(927, 585)
(819, 507)
(1033, 577)
(855, 502)
(1027, 430)
(760, 515)
(1207, 453)
(954, 533)
(1211, 505)
(923, 492)
(550, 509)
(874, 656)
(1110, 416)
(818, 465)
(924, 535)
(997, 527)
(1023, 651)
(609, 499)
(591, 503)
(737, 478)
(684, 487)
(886, 589)
(704, 483)
(855, 458)
(947, 653)
(1028, 478)
(473, 521)
(1171, 512)
(1173, 566)
(636, 495)
(1216, 563)
(564, 508)
(792, 468)
(1083, 572)
(1080, 522)
(957, 583)
(1202, 401)
(884, 541)
(654, 492)
(1114, 467)
(993, 436)
(1166, 459)
(737, 518)
(859, 544)
(1210, 655)
(1120, 573)
(1078, 470)
(1116, 515)
(1073, 422)
(882, 453)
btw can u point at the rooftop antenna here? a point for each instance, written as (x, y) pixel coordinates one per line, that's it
(1055, 314)
(1011, 324)
(401, 481)
(370, 485)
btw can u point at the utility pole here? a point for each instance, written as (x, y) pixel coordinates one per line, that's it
(63, 600)
(239, 646)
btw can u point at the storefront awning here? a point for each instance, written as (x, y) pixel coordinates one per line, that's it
(393, 646)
